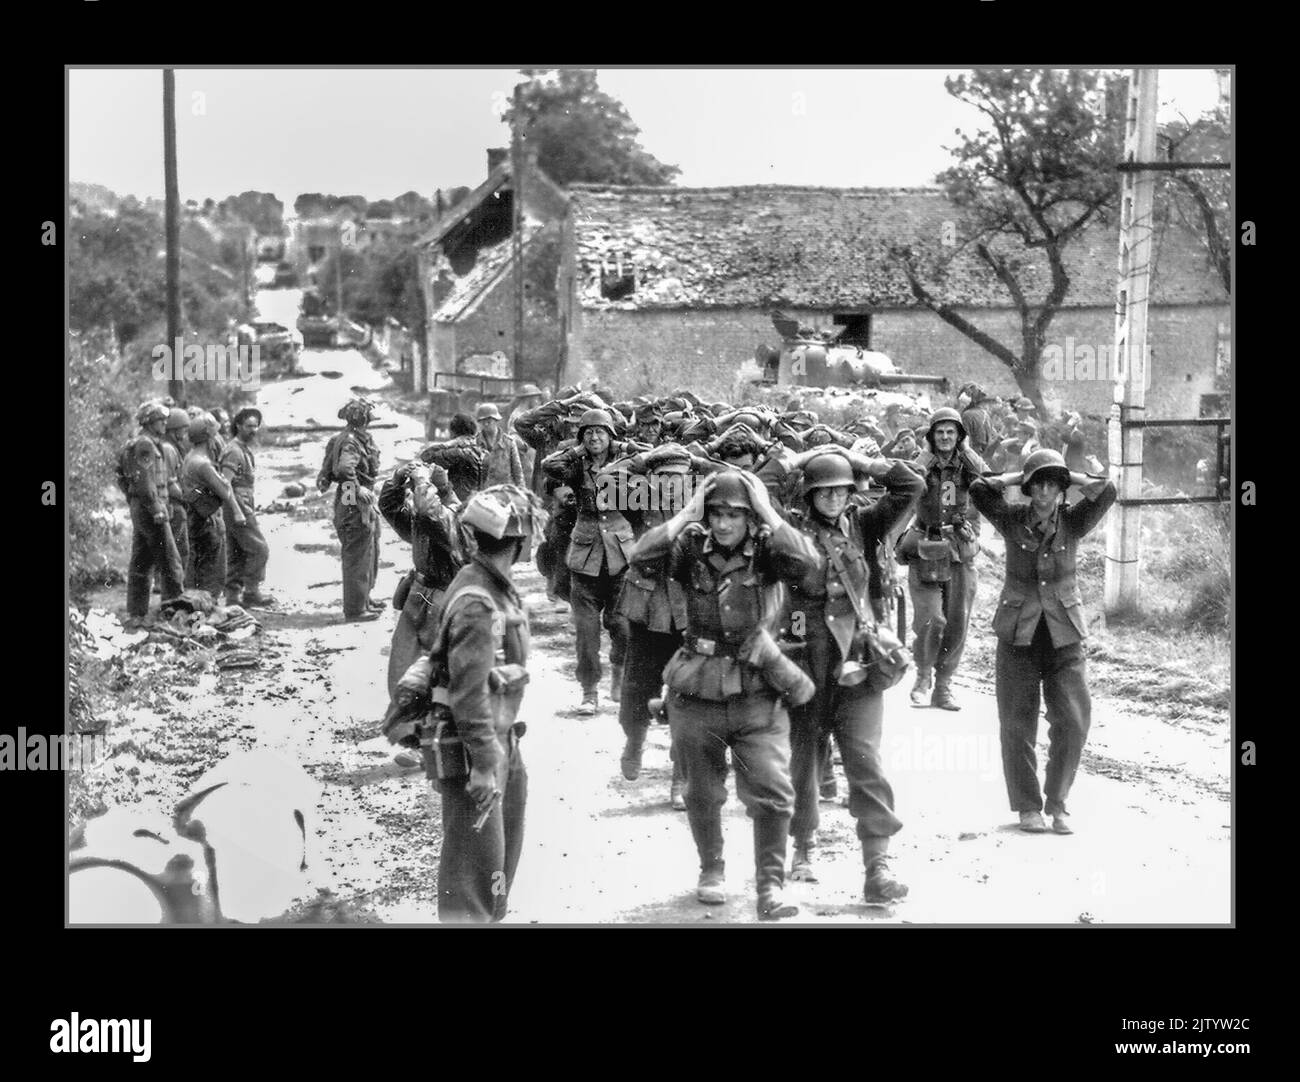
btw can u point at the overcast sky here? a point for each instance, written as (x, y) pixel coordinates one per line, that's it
(379, 133)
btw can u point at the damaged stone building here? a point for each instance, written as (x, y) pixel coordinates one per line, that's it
(668, 287)
(466, 271)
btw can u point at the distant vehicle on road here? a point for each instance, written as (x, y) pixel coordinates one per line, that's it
(276, 347)
(322, 330)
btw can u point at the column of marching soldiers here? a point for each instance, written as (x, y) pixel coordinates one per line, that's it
(742, 564)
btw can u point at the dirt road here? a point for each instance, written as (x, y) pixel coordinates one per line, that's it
(1150, 806)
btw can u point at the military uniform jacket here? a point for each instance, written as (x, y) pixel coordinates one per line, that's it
(648, 596)
(947, 496)
(480, 637)
(602, 536)
(465, 461)
(198, 472)
(148, 473)
(238, 464)
(979, 429)
(503, 465)
(354, 459)
(823, 595)
(1040, 580)
(728, 596)
(435, 540)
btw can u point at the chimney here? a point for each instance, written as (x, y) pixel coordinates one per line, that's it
(496, 155)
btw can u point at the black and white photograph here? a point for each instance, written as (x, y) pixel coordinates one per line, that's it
(629, 496)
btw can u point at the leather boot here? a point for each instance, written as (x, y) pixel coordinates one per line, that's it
(633, 749)
(770, 833)
(677, 793)
(943, 697)
(880, 887)
(801, 865)
(590, 703)
(616, 684)
(708, 843)
(921, 689)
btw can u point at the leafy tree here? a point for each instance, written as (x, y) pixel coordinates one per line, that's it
(1201, 201)
(383, 208)
(583, 135)
(413, 205)
(1041, 174)
(261, 210)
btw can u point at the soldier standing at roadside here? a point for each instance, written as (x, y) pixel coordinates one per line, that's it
(175, 447)
(352, 462)
(247, 550)
(205, 493)
(1040, 628)
(144, 470)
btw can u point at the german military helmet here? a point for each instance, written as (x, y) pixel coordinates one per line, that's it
(830, 470)
(596, 418)
(947, 413)
(177, 418)
(1047, 465)
(729, 490)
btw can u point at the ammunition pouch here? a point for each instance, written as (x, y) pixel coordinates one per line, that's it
(934, 560)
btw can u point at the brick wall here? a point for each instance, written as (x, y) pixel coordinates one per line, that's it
(655, 351)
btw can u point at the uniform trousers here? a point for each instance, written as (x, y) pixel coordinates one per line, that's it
(594, 600)
(476, 869)
(1060, 673)
(152, 547)
(941, 614)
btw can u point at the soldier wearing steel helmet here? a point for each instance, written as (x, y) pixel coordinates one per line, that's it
(1040, 627)
(831, 613)
(940, 550)
(144, 470)
(352, 463)
(474, 757)
(503, 465)
(729, 683)
(599, 548)
(205, 493)
(175, 447)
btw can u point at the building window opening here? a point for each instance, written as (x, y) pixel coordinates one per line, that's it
(857, 329)
(617, 280)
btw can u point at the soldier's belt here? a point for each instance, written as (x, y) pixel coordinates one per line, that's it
(711, 647)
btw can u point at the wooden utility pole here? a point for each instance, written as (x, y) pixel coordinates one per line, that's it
(172, 230)
(1137, 194)
(517, 226)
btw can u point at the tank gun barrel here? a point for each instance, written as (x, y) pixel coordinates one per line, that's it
(896, 379)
